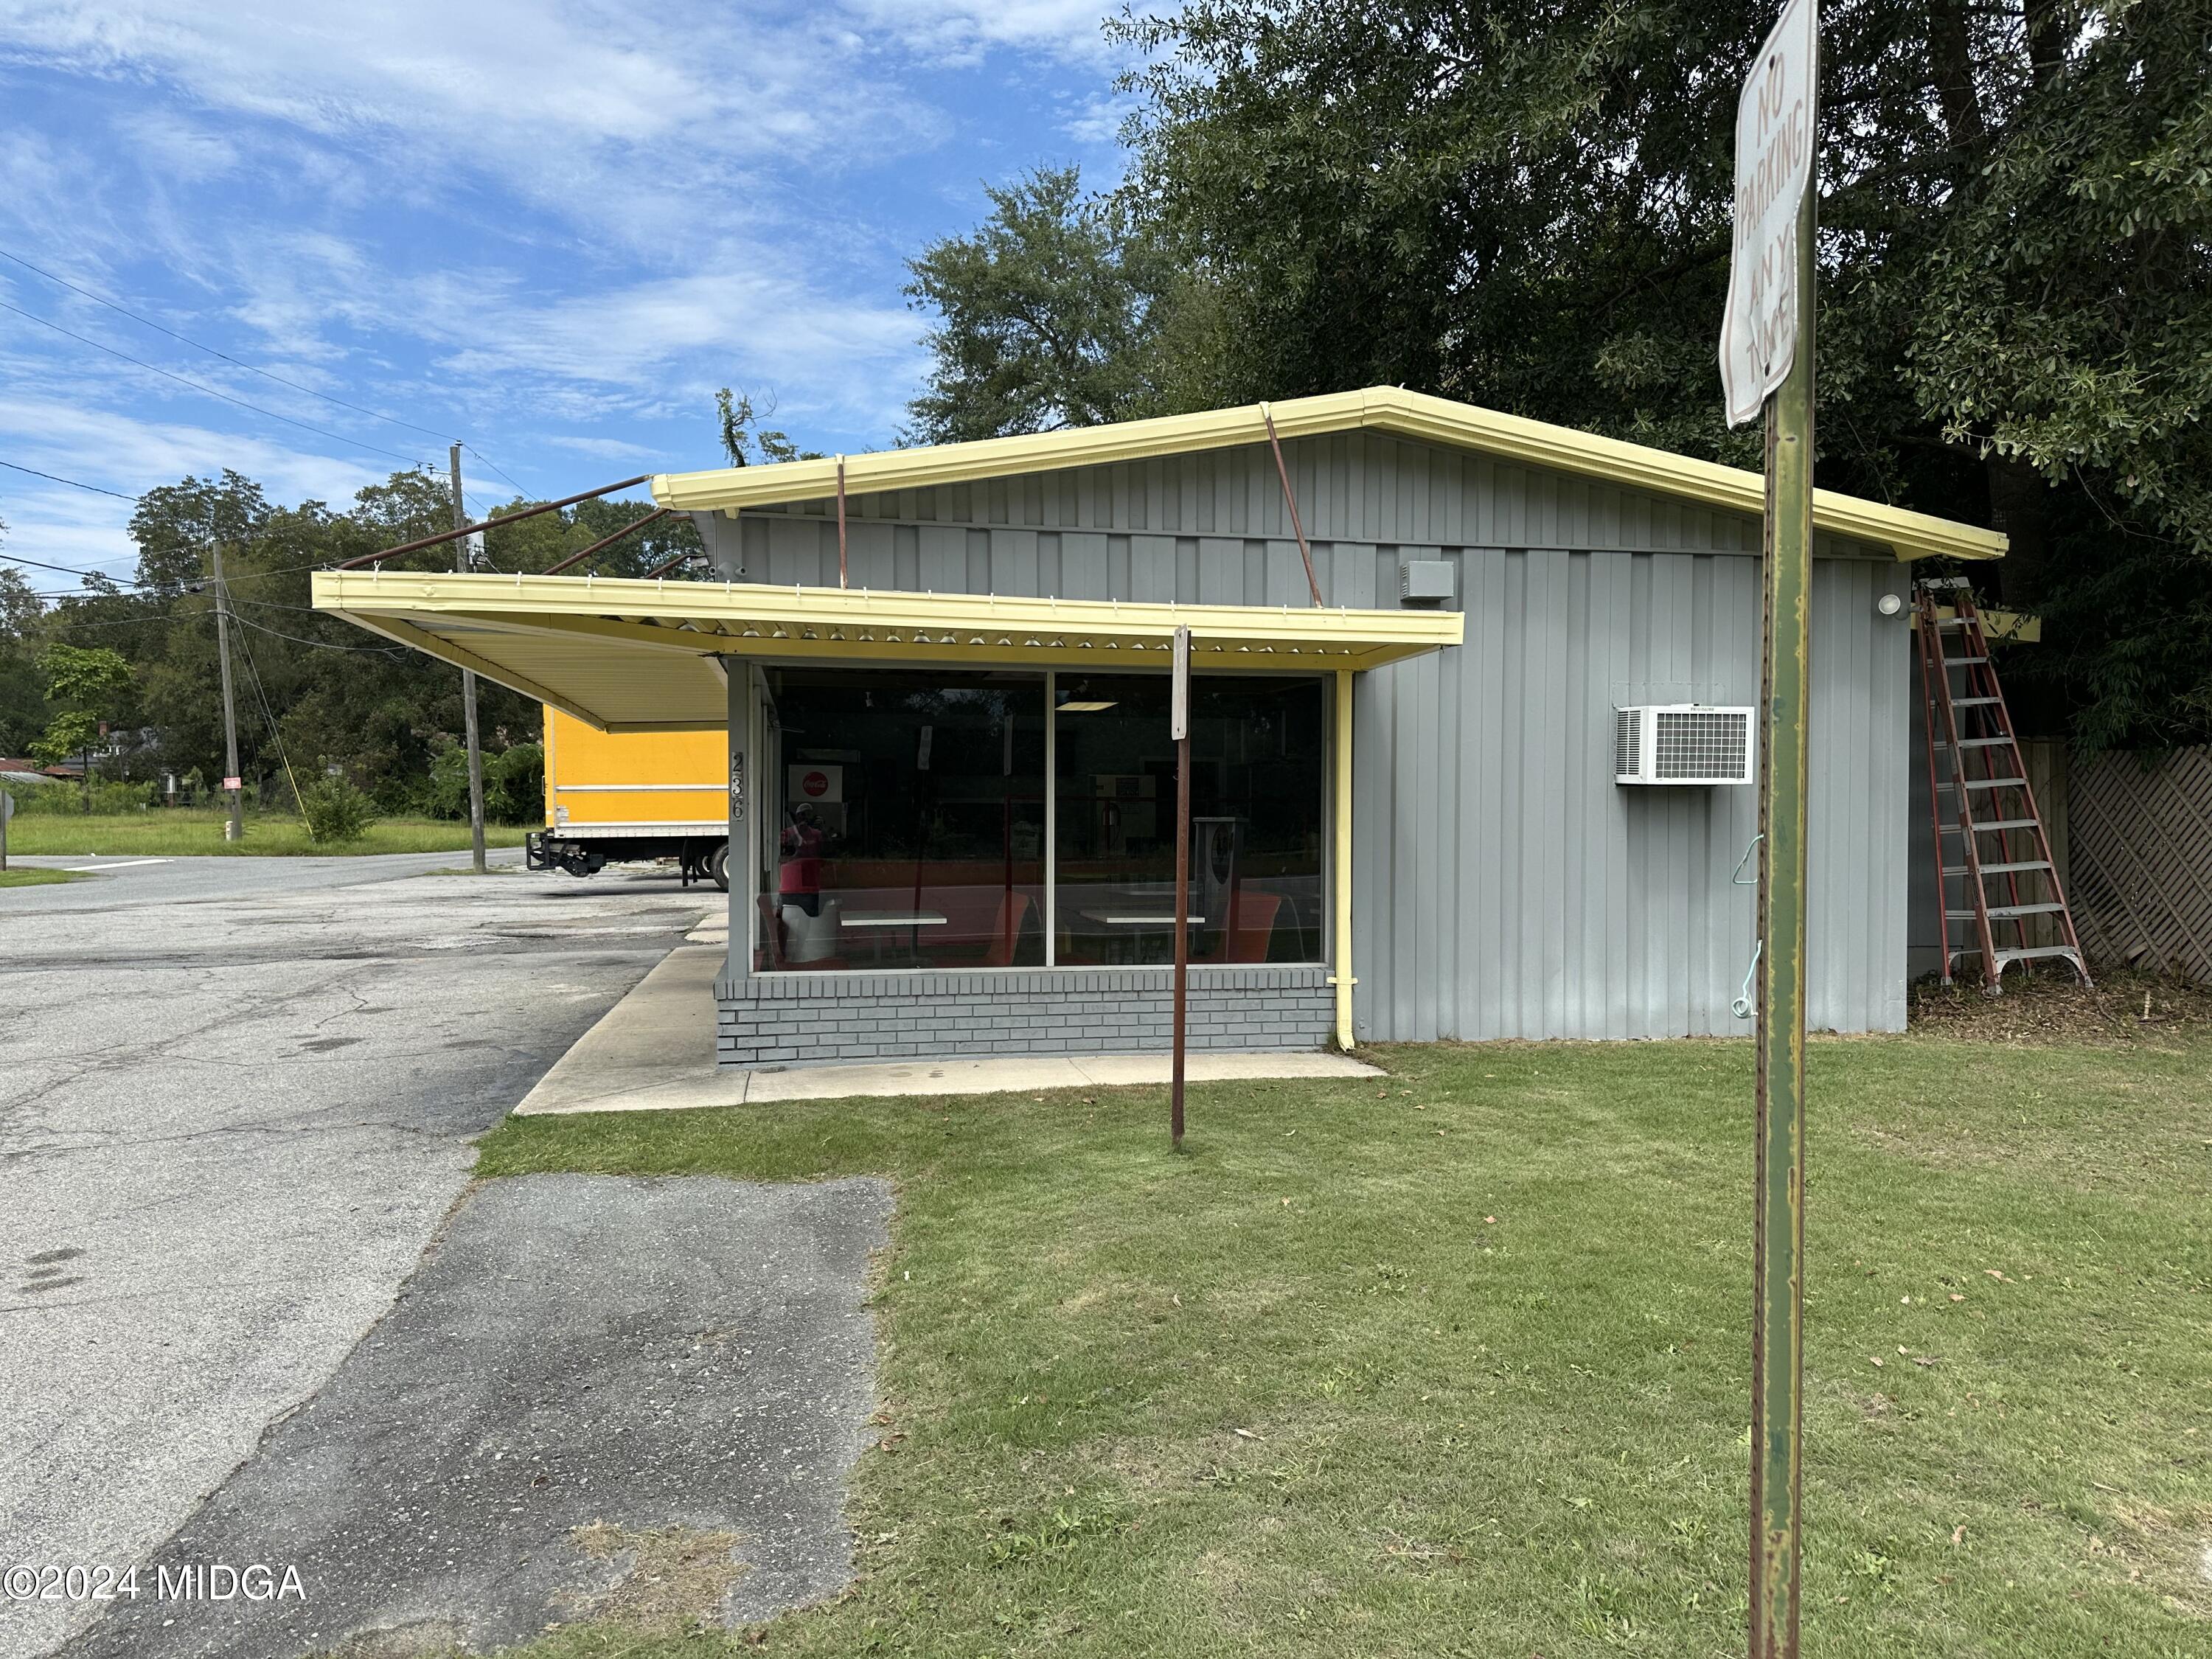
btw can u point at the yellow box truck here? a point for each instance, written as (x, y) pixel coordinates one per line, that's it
(634, 798)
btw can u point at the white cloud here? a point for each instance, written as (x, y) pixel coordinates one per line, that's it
(167, 142)
(571, 106)
(961, 31)
(510, 215)
(123, 451)
(605, 449)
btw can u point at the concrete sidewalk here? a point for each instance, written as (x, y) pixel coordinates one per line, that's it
(654, 1052)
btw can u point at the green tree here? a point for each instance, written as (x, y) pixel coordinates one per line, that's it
(746, 440)
(176, 525)
(1529, 210)
(86, 680)
(1048, 315)
(22, 690)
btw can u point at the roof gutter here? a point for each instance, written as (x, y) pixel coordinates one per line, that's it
(1415, 415)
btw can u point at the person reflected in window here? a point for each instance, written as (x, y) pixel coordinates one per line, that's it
(806, 844)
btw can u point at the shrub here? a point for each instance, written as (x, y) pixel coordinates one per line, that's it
(335, 809)
(513, 784)
(57, 798)
(514, 778)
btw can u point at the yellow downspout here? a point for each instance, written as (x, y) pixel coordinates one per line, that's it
(1342, 978)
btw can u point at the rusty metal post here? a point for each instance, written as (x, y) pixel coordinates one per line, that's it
(605, 542)
(840, 521)
(1778, 1341)
(1291, 500)
(1179, 729)
(445, 536)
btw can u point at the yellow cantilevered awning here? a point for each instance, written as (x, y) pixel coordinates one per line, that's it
(631, 654)
(1392, 410)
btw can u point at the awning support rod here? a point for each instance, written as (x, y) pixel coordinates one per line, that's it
(840, 521)
(605, 542)
(1291, 500)
(444, 537)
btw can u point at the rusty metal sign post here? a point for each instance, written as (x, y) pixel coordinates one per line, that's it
(1179, 729)
(1767, 361)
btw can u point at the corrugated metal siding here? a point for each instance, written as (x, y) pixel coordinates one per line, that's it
(1505, 885)
(1215, 521)
(1510, 888)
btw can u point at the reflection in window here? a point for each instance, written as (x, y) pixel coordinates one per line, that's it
(908, 827)
(1256, 795)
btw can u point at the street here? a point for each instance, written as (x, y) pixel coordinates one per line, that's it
(236, 1100)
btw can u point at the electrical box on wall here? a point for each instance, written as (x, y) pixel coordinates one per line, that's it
(1681, 743)
(1425, 581)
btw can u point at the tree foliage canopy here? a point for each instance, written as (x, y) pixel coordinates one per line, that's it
(1527, 207)
(308, 686)
(1048, 316)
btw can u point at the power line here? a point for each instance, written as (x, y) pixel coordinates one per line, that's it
(494, 466)
(67, 570)
(178, 620)
(227, 541)
(268, 714)
(55, 478)
(212, 351)
(46, 626)
(170, 374)
(376, 650)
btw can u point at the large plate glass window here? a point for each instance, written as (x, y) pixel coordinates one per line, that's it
(1258, 749)
(907, 822)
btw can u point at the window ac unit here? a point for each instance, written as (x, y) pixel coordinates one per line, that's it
(1681, 743)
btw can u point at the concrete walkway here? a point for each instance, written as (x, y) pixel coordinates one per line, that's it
(654, 1052)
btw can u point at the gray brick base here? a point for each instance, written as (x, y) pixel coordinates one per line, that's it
(788, 1018)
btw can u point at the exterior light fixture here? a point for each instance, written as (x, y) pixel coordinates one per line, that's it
(1889, 604)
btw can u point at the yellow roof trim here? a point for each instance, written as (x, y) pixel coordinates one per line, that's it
(1385, 409)
(627, 654)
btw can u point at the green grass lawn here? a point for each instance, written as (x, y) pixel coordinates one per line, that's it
(168, 832)
(23, 876)
(1457, 1364)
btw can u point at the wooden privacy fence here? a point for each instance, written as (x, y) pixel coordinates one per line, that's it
(2138, 855)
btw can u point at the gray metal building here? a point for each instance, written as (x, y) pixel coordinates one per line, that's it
(1508, 887)
(1503, 883)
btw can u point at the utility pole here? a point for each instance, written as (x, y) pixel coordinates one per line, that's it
(234, 785)
(469, 684)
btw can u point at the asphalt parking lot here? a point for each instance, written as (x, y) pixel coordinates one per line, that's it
(236, 1098)
(634, 1398)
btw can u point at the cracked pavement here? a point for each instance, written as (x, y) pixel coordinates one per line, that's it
(236, 1100)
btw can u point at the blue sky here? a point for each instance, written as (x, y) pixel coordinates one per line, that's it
(550, 230)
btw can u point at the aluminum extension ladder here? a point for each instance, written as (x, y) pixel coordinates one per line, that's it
(1987, 826)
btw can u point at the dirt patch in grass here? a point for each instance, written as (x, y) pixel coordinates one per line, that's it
(2168, 1552)
(675, 1580)
(2048, 1009)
